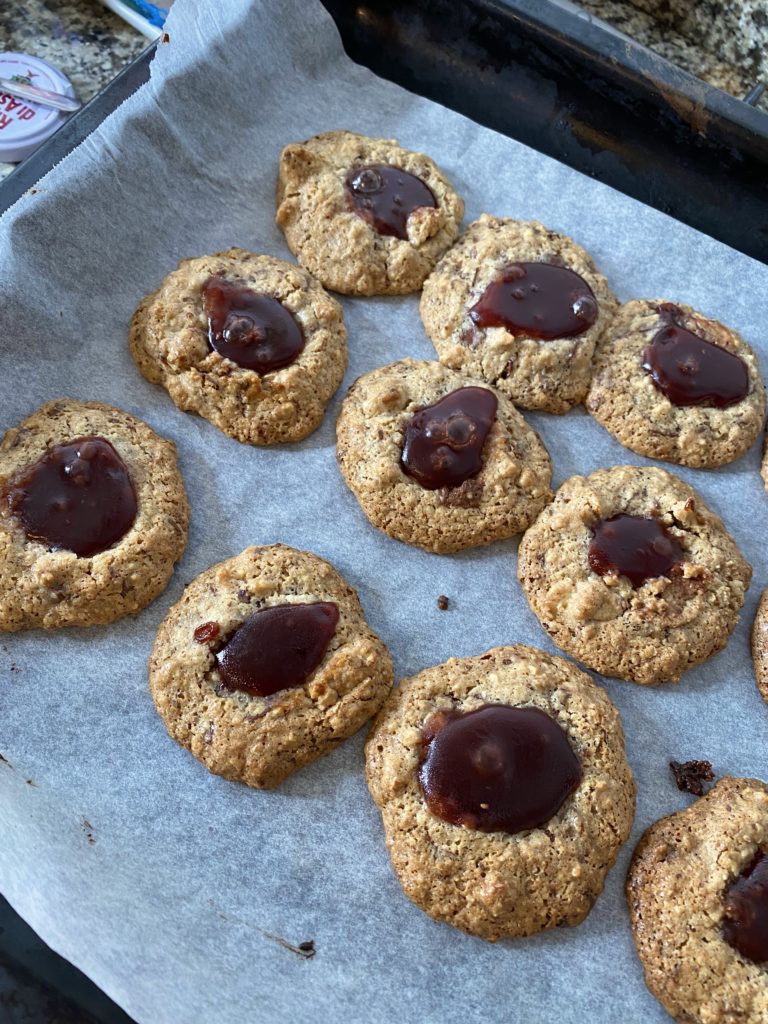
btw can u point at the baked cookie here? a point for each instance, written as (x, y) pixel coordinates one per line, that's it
(760, 646)
(670, 384)
(93, 516)
(363, 215)
(521, 307)
(265, 664)
(630, 572)
(697, 890)
(504, 790)
(251, 343)
(438, 460)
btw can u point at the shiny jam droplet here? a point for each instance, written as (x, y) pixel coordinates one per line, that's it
(277, 648)
(496, 769)
(386, 196)
(637, 547)
(253, 330)
(443, 443)
(77, 496)
(689, 370)
(745, 921)
(537, 300)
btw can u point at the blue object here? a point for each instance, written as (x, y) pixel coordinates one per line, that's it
(154, 15)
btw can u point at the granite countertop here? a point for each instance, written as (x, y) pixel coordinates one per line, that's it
(82, 38)
(677, 48)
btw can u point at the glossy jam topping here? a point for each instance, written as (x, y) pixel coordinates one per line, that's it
(496, 769)
(537, 300)
(77, 496)
(745, 923)
(253, 330)
(443, 443)
(689, 370)
(385, 197)
(637, 547)
(277, 648)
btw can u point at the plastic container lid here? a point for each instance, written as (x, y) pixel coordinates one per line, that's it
(24, 125)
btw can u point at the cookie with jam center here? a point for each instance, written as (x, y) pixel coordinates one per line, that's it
(251, 343)
(439, 460)
(671, 384)
(631, 573)
(93, 516)
(521, 307)
(697, 890)
(504, 790)
(265, 664)
(364, 215)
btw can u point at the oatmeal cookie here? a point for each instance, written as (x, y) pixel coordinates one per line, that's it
(265, 664)
(504, 790)
(760, 646)
(521, 307)
(671, 384)
(93, 516)
(251, 343)
(439, 460)
(697, 890)
(365, 216)
(630, 572)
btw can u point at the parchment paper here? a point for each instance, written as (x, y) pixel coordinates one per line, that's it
(166, 884)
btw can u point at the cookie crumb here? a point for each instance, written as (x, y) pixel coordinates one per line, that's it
(443, 603)
(690, 776)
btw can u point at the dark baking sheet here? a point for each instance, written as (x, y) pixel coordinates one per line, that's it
(539, 74)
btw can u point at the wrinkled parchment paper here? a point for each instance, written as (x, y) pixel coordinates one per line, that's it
(171, 887)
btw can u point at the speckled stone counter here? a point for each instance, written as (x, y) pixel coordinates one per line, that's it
(675, 47)
(82, 38)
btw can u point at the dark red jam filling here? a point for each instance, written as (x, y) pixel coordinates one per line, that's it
(77, 496)
(689, 370)
(253, 330)
(496, 769)
(385, 197)
(637, 547)
(537, 300)
(277, 648)
(443, 443)
(745, 924)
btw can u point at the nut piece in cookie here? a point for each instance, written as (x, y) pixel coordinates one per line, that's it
(93, 516)
(251, 343)
(504, 790)
(265, 664)
(630, 572)
(521, 307)
(760, 646)
(670, 384)
(365, 216)
(697, 890)
(440, 460)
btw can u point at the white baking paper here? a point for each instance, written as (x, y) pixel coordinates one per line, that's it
(171, 887)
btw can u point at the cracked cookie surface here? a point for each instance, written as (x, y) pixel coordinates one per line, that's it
(676, 886)
(501, 885)
(502, 499)
(49, 587)
(625, 400)
(255, 739)
(647, 634)
(339, 247)
(169, 341)
(535, 374)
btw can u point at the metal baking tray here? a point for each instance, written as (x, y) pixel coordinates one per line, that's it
(539, 73)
